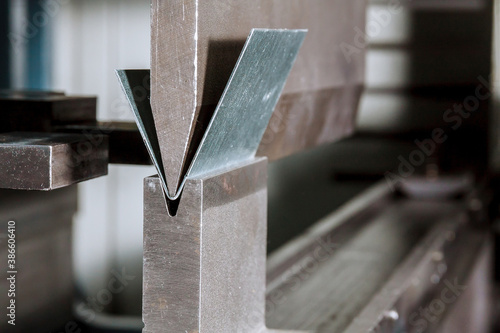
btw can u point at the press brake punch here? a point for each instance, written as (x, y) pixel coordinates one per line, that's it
(205, 257)
(242, 114)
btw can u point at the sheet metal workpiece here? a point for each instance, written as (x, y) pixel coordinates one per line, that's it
(195, 45)
(373, 264)
(47, 161)
(233, 133)
(205, 268)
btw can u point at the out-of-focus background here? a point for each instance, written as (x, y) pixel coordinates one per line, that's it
(427, 43)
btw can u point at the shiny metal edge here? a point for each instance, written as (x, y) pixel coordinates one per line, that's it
(264, 65)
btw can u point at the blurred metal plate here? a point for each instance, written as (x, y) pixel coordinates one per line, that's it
(126, 145)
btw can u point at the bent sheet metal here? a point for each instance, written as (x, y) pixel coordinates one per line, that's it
(242, 114)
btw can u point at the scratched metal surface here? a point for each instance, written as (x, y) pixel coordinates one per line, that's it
(195, 44)
(204, 269)
(242, 115)
(244, 110)
(47, 161)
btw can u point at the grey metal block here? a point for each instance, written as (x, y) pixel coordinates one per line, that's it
(204, 269)
(35, 161)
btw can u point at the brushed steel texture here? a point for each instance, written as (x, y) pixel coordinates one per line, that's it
(194, 46)
(47, 161)
(351, 272)
(126, 145)
(204, 269)
(354, 271)
(138, 96)
(241, 117)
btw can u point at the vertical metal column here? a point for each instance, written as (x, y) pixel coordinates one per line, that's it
(204, 269)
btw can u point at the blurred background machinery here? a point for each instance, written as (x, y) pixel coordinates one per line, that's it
(389, 223)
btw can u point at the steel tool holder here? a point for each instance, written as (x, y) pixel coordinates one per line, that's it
(204, 269)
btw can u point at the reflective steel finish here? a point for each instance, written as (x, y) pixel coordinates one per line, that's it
(138, 95)
(204, 269)
(195, 44)
(244, 110)
(242, 115)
